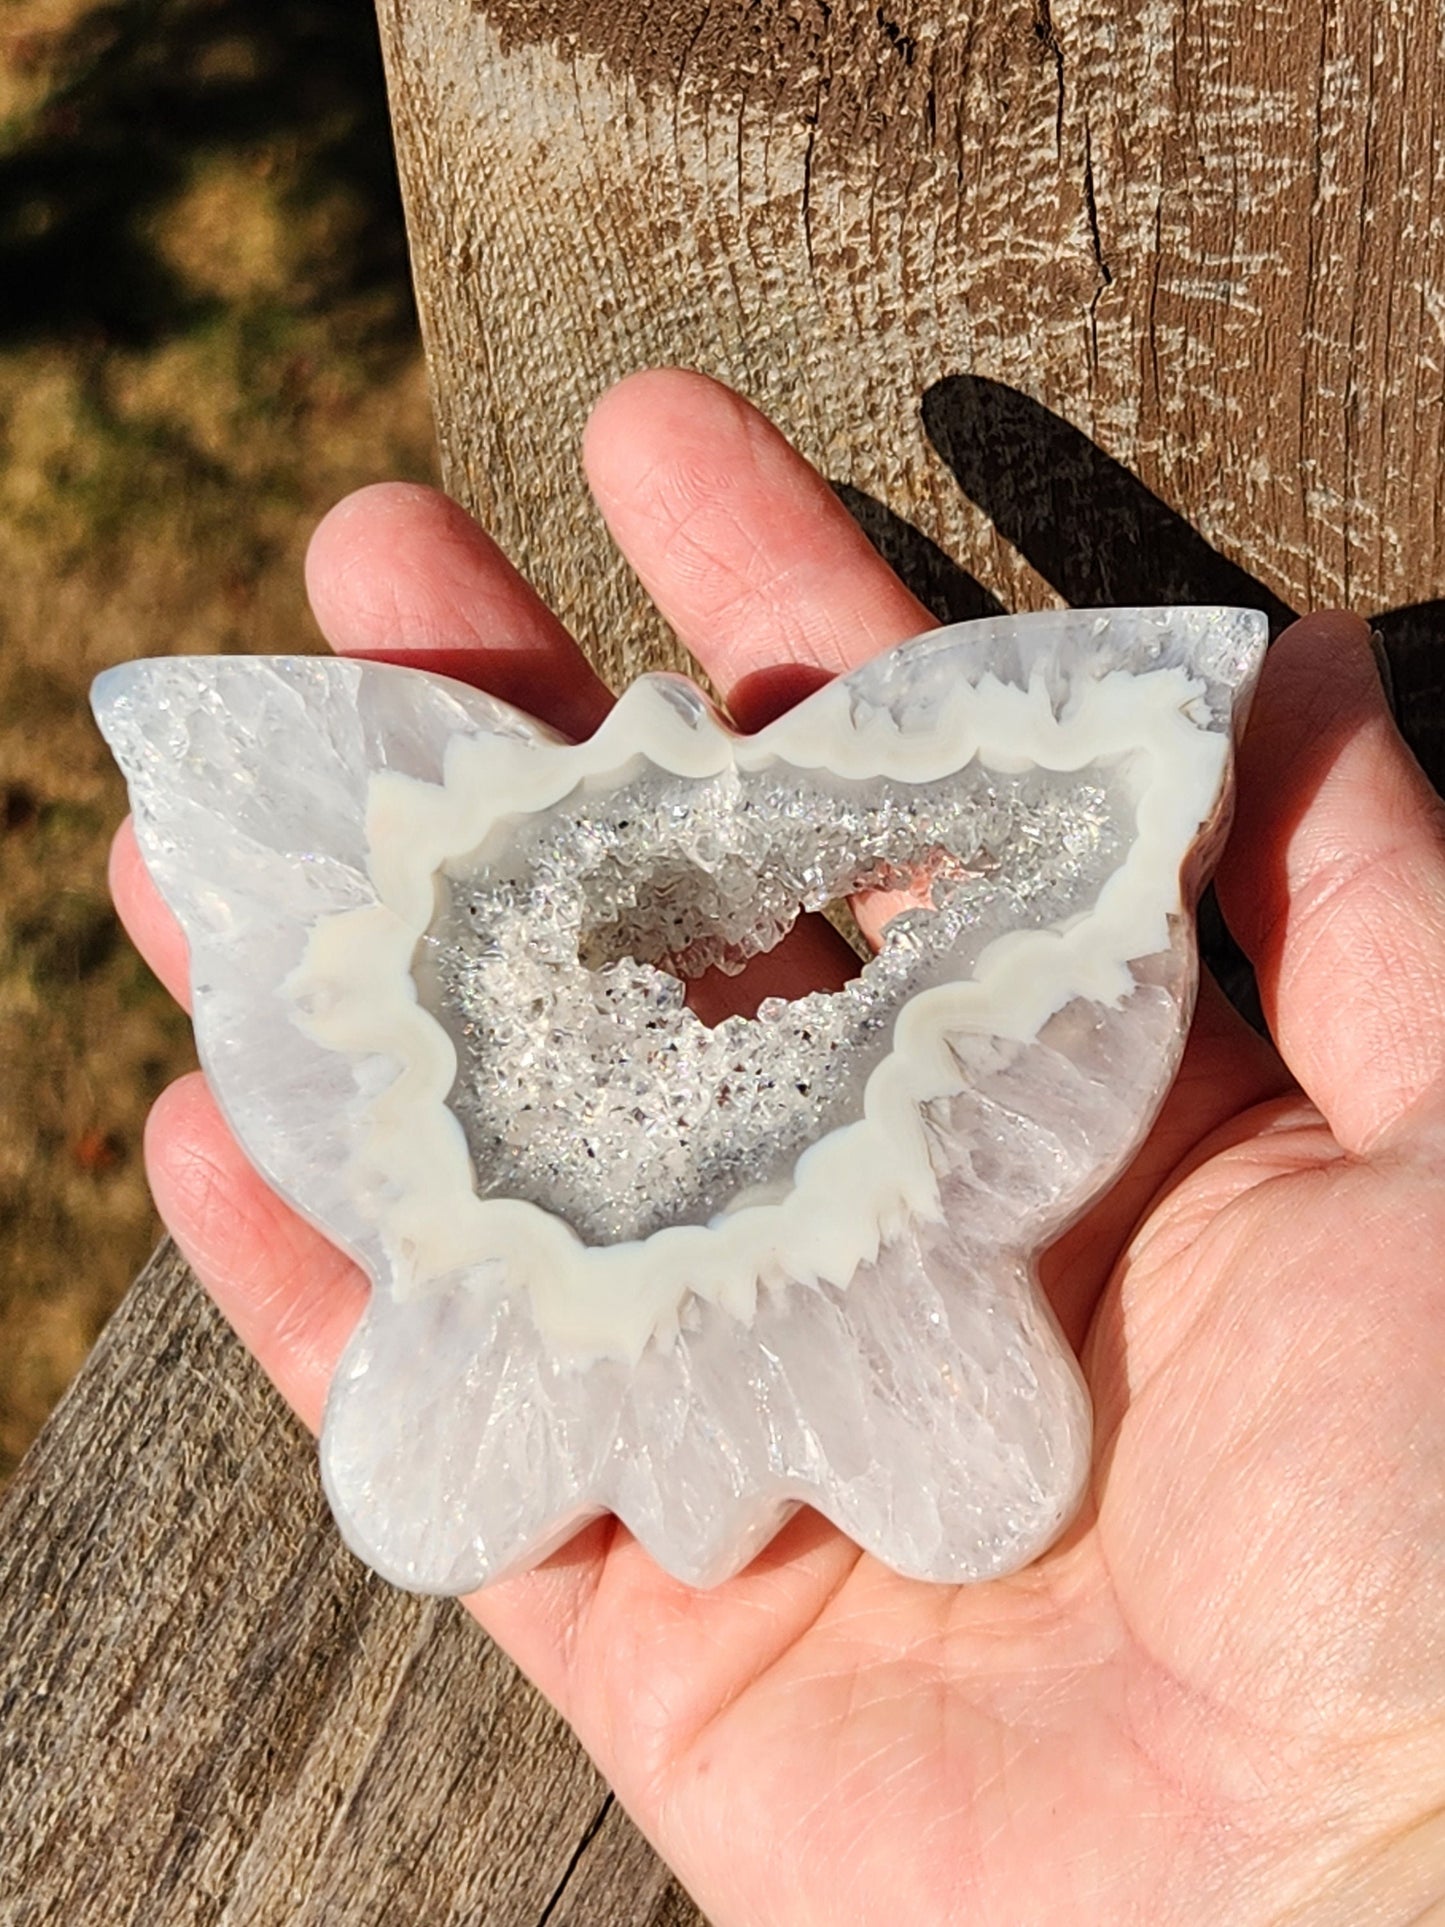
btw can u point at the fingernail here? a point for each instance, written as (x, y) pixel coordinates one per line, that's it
(1382, 664)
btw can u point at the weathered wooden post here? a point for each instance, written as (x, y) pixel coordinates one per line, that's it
(1096, 303)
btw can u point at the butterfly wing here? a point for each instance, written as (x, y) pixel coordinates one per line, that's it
(249, 779)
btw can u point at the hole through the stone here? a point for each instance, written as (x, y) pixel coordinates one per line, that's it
(807, 949)
(819, 951)
(812, 957)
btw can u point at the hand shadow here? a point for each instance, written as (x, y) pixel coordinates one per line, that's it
(1098, 536)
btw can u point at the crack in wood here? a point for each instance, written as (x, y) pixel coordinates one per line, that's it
(579, 1854)
(1091, 210)
(1047, 36)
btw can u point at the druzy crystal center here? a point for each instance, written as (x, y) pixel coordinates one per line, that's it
(585, 1083)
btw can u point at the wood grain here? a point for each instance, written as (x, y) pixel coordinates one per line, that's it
(1074, 303)
(210, 1713)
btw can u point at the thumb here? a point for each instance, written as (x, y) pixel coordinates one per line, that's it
(1334, 882)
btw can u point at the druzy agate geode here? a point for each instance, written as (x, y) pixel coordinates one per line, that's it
(624, 1260)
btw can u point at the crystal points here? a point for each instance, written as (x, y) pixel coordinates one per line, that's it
(571, 931)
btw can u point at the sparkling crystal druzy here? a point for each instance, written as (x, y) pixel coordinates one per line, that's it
(624, 1261)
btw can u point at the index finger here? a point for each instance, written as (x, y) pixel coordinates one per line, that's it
(763, 574)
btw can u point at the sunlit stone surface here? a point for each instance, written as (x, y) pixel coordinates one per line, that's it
(625, 1261)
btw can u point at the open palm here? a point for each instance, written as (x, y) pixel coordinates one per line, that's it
(1222, 1696)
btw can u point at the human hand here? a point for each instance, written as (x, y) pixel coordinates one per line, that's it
(1222, 1696)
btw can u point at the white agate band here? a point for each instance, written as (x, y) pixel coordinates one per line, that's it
(354, 992)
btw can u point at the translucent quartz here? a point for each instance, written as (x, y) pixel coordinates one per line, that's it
(623, 1261)
(558, 937)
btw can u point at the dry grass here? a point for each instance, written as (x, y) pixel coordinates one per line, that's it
(205, 339)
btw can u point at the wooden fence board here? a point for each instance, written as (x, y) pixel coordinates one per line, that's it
(210, 1714)
(1082, 303)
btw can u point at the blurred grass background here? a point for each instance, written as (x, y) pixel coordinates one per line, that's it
(206, 337)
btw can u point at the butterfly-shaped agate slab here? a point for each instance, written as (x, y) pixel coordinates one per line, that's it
(624, 1261)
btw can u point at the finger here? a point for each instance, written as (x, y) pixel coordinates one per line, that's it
(1334, 883)
(763, 574)
(811, 957)
(291, 1297)
(747, 552)
(399, 573)
(147, 919)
